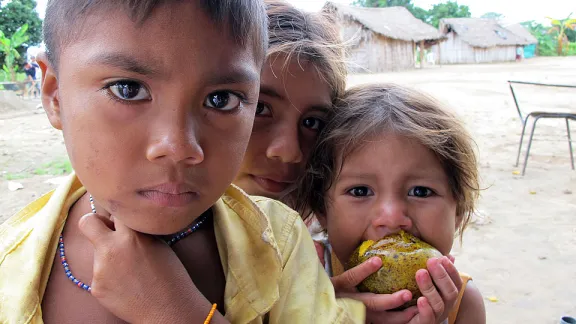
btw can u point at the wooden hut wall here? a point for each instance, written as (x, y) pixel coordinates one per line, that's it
(368, 52)
(455, 51)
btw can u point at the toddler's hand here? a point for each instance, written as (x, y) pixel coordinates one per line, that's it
(136, 276)
(439, 285)
(378, 306)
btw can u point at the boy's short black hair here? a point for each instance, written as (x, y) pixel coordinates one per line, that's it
(245, 20)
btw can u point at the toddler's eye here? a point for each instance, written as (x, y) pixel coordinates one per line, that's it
(420, 192)
(361, 191)
(263, 109)
(129, 90)
(223, 100)
(313, 123)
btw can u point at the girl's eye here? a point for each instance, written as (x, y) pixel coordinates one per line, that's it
(129, 90)
(420, 192)
(313, 123)
(223, 100)
(360, 192)
(263, 109)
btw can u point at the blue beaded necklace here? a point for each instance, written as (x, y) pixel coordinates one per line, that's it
(170, 242)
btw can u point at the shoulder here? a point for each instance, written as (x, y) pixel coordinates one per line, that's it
(284, 221)
(472, 308)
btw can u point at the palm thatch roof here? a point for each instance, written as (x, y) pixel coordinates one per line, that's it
(480, 32)
(391, 22)
(519, 30)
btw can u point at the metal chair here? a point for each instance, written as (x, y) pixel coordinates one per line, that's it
(537, 115)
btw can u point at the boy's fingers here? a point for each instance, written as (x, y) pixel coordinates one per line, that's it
(120, 227)
(380, 303)
(95, 227)
(429, 291)
(353, 277)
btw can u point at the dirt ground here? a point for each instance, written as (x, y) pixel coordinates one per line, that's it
(521, 251)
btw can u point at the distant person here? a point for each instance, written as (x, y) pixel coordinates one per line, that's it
(30, 83)
(519, 53)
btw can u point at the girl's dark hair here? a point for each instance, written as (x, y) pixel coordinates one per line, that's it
(369, 110)
(305, 36)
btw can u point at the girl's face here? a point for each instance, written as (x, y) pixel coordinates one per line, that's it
(291, 111)
(392, 183)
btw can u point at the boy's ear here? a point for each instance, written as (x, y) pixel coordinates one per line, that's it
(50, 98)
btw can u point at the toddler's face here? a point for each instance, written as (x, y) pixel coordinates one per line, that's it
(156, 118)
(391, 183)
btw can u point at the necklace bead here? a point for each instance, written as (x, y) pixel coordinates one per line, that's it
(173, 240)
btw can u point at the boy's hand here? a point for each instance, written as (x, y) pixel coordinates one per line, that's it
(136, 276)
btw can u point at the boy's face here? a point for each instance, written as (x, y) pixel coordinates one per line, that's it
(390, 184)
(154, 138)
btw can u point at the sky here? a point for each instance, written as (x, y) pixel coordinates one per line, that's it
(513, 10)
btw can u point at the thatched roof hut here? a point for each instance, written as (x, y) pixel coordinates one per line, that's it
(522, 32)
(477, 40)
(381, 39)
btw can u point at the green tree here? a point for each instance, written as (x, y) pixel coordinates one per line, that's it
(416, 11)
(8, 47)
(559, 27)
(492, 15)
(15, 14)
(449, 9)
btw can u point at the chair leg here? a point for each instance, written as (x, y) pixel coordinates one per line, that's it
(529, 145)
(521, 140)
(570, 143)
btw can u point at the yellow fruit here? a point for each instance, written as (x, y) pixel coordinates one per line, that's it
(402, 256)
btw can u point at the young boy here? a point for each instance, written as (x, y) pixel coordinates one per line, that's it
(155, 145)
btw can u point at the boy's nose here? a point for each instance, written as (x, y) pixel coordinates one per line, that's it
(285, 146)
(177, 145)
(390, 215)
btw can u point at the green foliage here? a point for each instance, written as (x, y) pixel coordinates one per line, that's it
(559, 27)
(8, 47)
(15, 14)
(492, 15)
(548, 41)
(450, 9)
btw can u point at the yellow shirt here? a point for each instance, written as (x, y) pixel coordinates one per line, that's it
(270, 264)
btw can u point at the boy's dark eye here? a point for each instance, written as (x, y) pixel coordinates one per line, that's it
(129, 90)
(263, 109)
(313, 123)
(360, 191)
(223, 101)
(420, 192)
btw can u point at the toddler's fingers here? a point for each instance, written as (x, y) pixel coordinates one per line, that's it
(451, 258)
(396, 317)
(96, 228)
(443, 282)
(429, 291)
(452, 272)
(380, 302)
(353, 277)
(425, 312)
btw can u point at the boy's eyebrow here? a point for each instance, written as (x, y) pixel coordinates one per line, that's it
(124, 62)
(234, 76)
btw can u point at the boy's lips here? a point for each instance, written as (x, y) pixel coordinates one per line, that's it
(271, 185)
(170, 194)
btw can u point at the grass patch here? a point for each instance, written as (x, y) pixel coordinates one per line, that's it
(56, 168)
(17, 176)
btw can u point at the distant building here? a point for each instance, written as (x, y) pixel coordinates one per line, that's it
(381, 39)
(476, 40)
